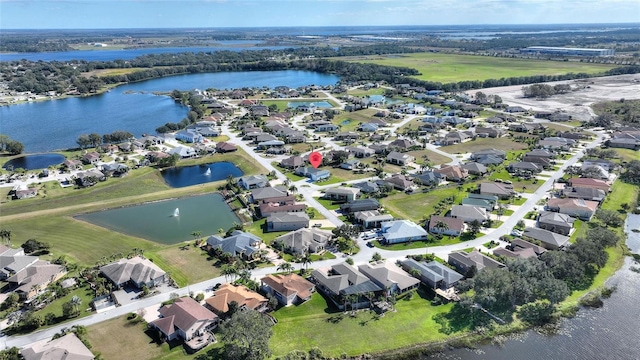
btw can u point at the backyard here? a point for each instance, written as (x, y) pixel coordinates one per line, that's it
(316, 323)
(502, 143)
(416, 207)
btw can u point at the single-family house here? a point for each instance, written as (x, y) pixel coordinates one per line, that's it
(501, 190)
(483, 203)
(489, 160)
(453, 172)
(353, 206)
(183, 151)
(445, 225)
(518, 245)
(137, 271)
(71, 164)
(463, 261)
(486, 152)
(350, 164)
(401, 144)
(289, 289)
(371, 218)
(239, 243)
(189, 136)
(525, 167)
(244, 298)
(585, 193)
(285, 204)
(590, 183)
(13, 261)
(428, 178)
(469, 214)
(312, 173)
(398, 231)
(34, 278)
(401, 159)
(433, 274)
(582, 209)
(185, 319)
(342, 280)
(91, 158)
(368, 127)
(389, 277)
(359, 152)
(292, 162)
(225, 147)
(367, 187)
(475, 168)
(491, 132)
(287, 221)
(67, 347)
(594, 172)
(548, 239)
(400, 182)
(304, 241)
(556, 222)
(266, 193)
(89, 177)
(515, 109)
(556, 143)
(342, 194)
(253, 181)
(25, 193)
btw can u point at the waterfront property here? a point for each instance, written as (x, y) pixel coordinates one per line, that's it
(158, 222)
(136, 271)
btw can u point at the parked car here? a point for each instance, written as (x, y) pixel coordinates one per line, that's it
(516, 232)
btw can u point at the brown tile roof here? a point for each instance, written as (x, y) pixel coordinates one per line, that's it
(240, 294)
(185, 313)
(290, 284)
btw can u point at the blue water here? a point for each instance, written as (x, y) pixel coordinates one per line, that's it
(157, 221)
(197, 174)
(633, 238)
(56, 124)
(33, 162)
(125, 54)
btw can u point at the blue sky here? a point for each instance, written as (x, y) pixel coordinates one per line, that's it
(70, 14)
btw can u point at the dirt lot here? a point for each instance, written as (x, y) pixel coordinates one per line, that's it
(575, 103)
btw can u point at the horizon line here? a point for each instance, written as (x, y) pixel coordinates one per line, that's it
(319, 26)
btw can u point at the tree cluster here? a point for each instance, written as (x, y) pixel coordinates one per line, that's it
(631, 174)
(10, 146)
(544, 90)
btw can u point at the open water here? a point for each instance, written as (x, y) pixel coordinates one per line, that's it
(56, 124)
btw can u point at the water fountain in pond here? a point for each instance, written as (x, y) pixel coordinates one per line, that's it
(208, 172)
(176, 212)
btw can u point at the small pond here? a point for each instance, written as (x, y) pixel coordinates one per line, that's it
(200, 174)
(170, 221)
(33, 162)
(346, 122)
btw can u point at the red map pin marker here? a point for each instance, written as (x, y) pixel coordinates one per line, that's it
(315, 158)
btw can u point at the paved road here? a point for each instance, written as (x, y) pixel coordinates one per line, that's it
(363, 256)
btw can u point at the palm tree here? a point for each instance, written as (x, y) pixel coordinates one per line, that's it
(76, 301)
(306, 260)
(6, 235)
(286, 267)
(229, 271)
(196, 236)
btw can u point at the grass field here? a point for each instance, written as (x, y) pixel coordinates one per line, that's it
(416, 206)
(110, 72)
(484, 143)
(628, 154)
(354, 118)
(447, 68)
(139, 185)
(187, 264)
(120, 338)
(315, 323)
(433, 157)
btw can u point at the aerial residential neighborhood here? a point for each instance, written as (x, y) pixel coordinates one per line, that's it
(280, 221)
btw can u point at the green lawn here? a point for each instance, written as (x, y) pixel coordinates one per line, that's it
(433, 157)
(328, 204)
(55, 307)
(416, 206)
(257, 228)
(362, 92)
(447, 68)
(354, 118)
(187, 264)
(315, 323)
(446, 240)
(628, 154)
(134, 342)
(484, 143)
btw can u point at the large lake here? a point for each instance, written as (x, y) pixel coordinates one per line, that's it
(56, 124)
(157, 221)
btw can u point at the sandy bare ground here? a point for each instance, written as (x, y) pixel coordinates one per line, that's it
(575, 103)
